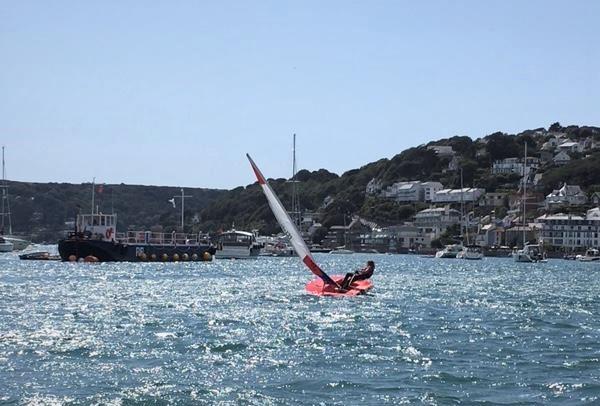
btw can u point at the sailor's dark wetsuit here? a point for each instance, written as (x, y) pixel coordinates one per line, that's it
(363, 274)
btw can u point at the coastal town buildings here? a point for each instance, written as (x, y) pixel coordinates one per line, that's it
(433, 222)
(570, 232)
(491, 199)
(571, 146)
(405, 192)
(562, 158)
(400, 238)
(490, 235)
(567, 195)
(457, 195)
(374, 187)
(515, 165)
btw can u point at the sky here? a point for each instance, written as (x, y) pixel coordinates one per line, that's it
(176, 92)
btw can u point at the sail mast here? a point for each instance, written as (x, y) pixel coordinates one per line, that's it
(463, 227)
(295, 202)
(524, 191)
(5, 201)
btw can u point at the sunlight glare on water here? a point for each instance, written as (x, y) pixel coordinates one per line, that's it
(245, 332)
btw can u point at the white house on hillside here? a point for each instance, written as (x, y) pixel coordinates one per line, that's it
(457, 195)
(412, 191)
(435, 221)
(374, 187)
(567, 195)
(442, 150)
(562, 158)
(570, 146)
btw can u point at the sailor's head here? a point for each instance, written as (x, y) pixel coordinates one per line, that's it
(371, 264)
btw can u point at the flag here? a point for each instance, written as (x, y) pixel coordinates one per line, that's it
(172, 201)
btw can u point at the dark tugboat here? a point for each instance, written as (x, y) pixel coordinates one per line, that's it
(95, 239)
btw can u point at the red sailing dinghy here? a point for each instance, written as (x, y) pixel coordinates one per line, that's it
(324, 285)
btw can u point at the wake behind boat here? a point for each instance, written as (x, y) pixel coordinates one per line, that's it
(326, 285)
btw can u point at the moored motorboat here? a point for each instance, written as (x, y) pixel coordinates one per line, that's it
(529, 253)
(5, 246)
(341, 251)
(591, 255)
(449, 251)
(236, 244)
(19, 244)
(471, 252)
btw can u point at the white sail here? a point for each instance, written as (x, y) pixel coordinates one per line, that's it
(288, 226)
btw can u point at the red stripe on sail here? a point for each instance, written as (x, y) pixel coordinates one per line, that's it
(314, 268)
(259, 176)
(261, 180)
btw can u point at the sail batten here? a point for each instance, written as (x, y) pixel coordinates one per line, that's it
(286, 223)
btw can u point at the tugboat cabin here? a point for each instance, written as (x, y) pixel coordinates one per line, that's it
(97, 226)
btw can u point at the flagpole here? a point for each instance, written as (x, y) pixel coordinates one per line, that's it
(93, 192)
(182, 197)
(182, 205)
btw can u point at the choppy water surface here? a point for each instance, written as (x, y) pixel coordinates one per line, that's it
(245, 332)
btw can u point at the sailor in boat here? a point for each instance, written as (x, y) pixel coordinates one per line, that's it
(359, 275)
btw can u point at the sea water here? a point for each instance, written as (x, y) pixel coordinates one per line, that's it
(432, 331)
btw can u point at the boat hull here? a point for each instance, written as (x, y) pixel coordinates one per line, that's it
(318, 288)
(233, 252)
(106, 251)
(19, 244)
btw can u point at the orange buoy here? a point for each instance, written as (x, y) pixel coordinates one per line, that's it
(91, 259)
(207, 256)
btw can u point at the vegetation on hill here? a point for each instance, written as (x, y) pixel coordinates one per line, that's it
(41, 210)
(247, 208)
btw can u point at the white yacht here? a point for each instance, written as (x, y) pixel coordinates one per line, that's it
(472, 252)
(341, 250)
(235, 244)
(449, 251)
(529, 253)
(19, 244)
(591, 254)
(275, 247)
(16, 243)
(5, 246)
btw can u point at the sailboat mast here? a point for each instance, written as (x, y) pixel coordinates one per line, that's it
(295, 203)
(182, 209)
(462, 208)
(93, 196)
(5, 202)
(524, 191)
(3, 190)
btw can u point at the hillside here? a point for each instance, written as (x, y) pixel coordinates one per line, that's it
(40, 210)
(247, 208)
